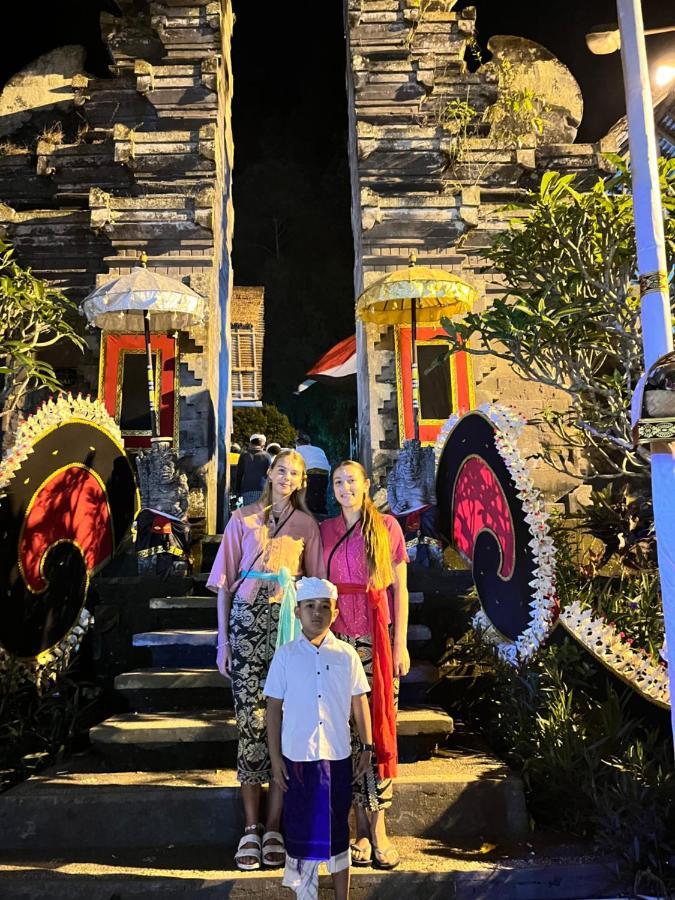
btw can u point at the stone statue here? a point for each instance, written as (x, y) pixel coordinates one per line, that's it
(163, 488)
(411, 482)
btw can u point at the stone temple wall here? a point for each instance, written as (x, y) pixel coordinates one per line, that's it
(423, 182)
(95, 171)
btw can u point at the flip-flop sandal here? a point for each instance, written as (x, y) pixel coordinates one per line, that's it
(273, 842)
(380, 860)
(361, 856)
(246, 852)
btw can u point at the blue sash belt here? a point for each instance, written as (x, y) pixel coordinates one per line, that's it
(288, 624)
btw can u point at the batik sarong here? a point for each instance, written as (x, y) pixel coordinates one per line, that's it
(253, 638)
(370, 791)
(316, 822)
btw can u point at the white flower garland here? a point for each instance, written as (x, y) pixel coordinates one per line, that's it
(57, 411)
(544, 602)
(634, 665)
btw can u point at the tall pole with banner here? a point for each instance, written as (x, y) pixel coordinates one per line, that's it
(657, 332)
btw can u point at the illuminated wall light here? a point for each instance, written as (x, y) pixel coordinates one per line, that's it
(664, 75)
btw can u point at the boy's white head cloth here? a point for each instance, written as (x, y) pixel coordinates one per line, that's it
(313, 588)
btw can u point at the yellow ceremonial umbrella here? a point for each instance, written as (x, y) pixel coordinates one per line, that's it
(416, 294)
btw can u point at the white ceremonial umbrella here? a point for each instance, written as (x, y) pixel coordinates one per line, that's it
(141, 300)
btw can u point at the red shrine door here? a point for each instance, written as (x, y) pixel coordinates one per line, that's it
(444, 390)
(123, 385)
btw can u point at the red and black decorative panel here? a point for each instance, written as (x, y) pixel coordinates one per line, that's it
(123, 385)
(490, 512)
(444, 389)
(69, 497)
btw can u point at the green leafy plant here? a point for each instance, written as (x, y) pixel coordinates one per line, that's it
(39, 727)
(33, 316)
(265, 419)
(570, 316)
(518, 114)
(589, 764)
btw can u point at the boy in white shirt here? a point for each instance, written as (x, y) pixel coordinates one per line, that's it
(313, 684)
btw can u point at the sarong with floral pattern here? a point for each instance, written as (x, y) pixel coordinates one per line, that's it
(253, 635)
(370, 792)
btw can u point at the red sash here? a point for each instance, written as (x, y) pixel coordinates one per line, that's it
(382, 694)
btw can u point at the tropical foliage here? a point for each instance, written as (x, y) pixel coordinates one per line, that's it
(590, 765)
(33, 316)
(570, 315)
(265, 420)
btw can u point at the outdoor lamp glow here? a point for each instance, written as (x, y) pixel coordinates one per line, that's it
(664, 75)
(604, 39)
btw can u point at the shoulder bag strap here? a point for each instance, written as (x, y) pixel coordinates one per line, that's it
(259, 554)
(344, 538)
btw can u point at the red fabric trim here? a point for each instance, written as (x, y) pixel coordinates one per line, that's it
(382, 693)
(115, 345)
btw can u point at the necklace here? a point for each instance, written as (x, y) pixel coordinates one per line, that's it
(278, 513)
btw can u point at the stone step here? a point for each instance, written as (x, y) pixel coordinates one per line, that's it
(172, 689)
(195, 688)
(197, 646)
(441, 798)
(190, 611)
(429, 870)
(210, 546)
(157, 741)
(197, 611)
(422, 676)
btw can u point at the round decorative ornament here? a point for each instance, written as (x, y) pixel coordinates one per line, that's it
(68, 496)
(493, 516)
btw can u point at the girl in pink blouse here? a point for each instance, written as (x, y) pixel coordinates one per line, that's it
(365, 557)
(262, 545)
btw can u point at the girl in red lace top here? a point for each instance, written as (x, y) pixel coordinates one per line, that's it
(365, 557)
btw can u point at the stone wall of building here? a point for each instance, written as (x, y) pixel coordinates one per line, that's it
(95, 171)
(423, 182)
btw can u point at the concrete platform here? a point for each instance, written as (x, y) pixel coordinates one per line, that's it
(442, 798)
(428, 871)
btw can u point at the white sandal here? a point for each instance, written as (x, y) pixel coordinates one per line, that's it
(273, 842)
(250, 837)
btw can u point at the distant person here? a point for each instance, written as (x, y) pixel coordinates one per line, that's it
(318, 473)
(233, 459)
(273, 449)
(252, 469)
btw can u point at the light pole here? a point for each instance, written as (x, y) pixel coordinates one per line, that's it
(657, 331)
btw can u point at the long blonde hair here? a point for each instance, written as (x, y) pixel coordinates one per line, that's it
(375, 534)
(297, 498)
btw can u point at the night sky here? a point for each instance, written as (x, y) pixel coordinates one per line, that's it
(291, 185)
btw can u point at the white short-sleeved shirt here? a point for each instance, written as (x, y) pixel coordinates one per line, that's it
(316, 685)
(314, 457)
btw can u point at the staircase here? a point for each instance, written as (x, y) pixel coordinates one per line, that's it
(159, 782)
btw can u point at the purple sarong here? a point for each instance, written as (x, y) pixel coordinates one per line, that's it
(316, 808)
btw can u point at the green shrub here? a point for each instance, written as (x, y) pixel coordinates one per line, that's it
(589, 763)
(37, 728)
(265, 419)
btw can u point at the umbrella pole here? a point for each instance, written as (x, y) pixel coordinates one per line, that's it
(151, 376)
(414, 371)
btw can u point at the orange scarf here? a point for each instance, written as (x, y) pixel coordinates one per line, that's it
(382, 694)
